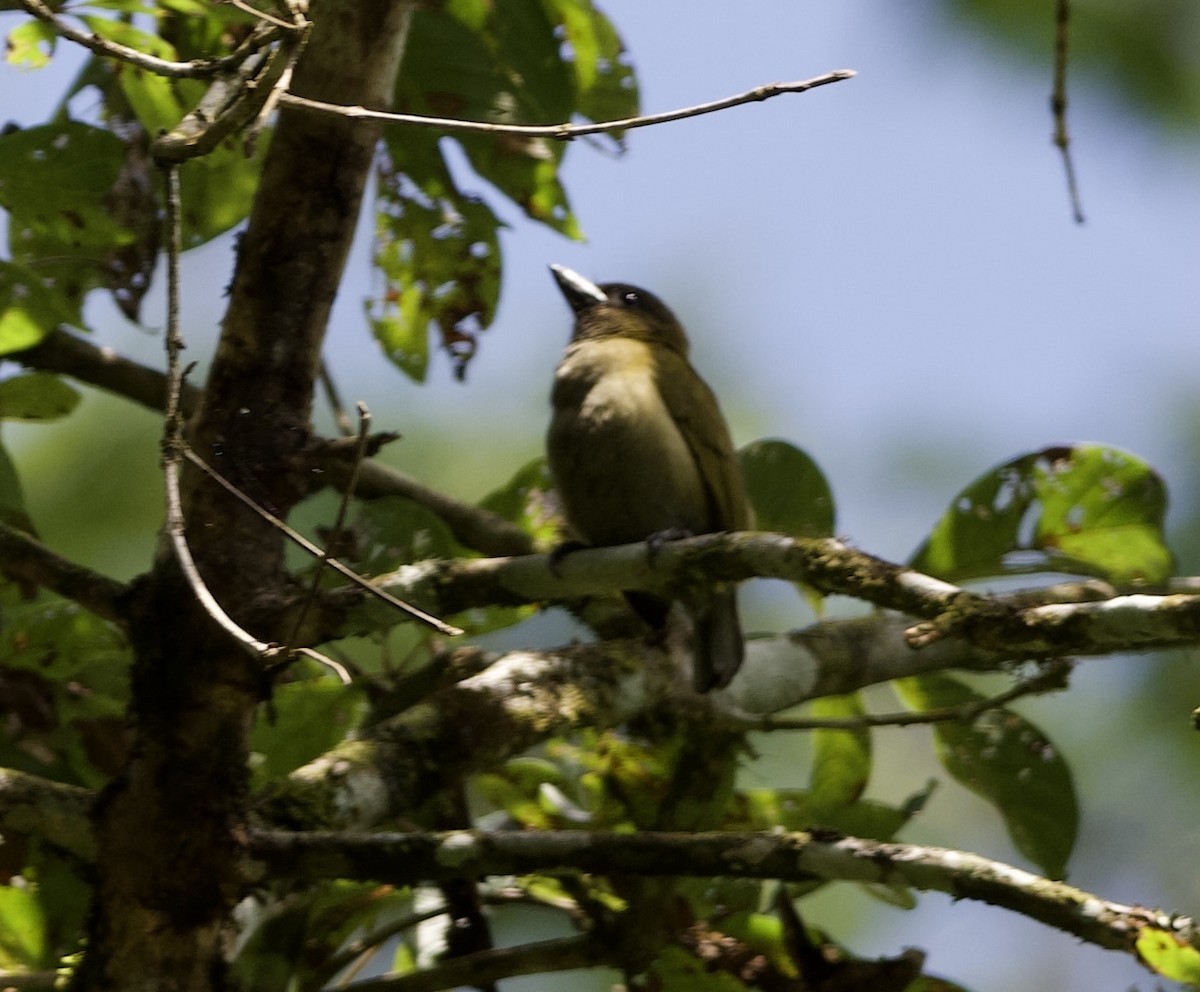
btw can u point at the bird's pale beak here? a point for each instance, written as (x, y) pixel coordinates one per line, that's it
(581, 293)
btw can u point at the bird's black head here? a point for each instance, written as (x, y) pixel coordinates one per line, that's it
(617, 309)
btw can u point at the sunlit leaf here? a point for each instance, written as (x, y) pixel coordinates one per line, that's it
(31, 44)
(1085, 509)
(1169, 955)
(1008, 761)
(22, 930)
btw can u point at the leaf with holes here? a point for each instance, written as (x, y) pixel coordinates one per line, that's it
(1083, 509)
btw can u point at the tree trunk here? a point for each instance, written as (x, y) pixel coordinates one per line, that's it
(171, 827)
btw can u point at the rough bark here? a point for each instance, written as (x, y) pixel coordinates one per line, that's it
(171, 828)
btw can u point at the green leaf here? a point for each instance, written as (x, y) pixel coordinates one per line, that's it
(841, 758)
(1085, 509)
(22, 930)
(1008, 761)
(154, 99)
(526, 500)
(12, 497)
(604, 78)
(68, 676)
(217, 189)
(1169, 955)
(39, 396)
(787, 489)
(675, 970)
(29, 310)
(439, 253)
(30, 45)
(308, 717)
(55, 182)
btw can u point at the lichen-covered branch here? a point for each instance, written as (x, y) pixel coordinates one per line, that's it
(403, 859)
(52, 811)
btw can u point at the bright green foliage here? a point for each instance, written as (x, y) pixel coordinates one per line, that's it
(1008, 761)
(1085, 509)
(841, 758)
(1169, 956)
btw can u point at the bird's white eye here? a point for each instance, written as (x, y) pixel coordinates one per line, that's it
(631, 299)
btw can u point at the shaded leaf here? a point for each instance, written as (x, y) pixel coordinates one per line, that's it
(38, 396)
(439, 253)
(64, 683)
(788, 491)
(12, 497)
(1086, 509)
(1008, 761)
(307, 718)
(55, 182)
(841, 758)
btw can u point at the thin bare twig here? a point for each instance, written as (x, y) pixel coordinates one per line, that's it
(1050, 679)
(173, 443)
(566, 132)
(341, 419)
(1058, 103)
(195, 69)
(364, 434)
(301, 541)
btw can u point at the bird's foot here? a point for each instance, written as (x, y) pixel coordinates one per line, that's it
(661, 538)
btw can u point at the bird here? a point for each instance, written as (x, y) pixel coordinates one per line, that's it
(639, 450)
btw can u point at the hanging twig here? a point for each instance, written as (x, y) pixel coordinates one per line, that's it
(301, 541)
(364, 434)
(1058, 103)
(565, 132)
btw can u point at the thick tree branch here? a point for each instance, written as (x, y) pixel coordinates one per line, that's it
(52, 811)
(403, 859)
(68, 354)
(1001, 623)
(399, 765)
(25, 559)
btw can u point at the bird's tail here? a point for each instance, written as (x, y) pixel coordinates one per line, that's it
(717, 642)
